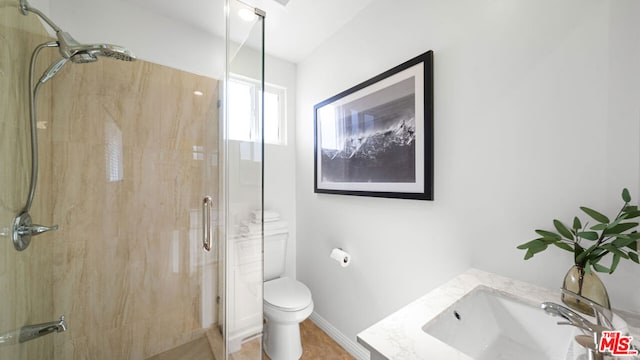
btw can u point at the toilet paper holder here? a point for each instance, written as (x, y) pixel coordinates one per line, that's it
(341, 256)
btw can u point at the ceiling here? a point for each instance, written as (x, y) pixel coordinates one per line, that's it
(292, 31)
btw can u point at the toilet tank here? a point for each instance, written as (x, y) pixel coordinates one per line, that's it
(275, 251)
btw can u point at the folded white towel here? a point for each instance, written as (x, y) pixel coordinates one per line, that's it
(274, 226)
(257, 235)
(256, 216)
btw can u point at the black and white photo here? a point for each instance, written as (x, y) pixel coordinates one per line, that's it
(376, 139)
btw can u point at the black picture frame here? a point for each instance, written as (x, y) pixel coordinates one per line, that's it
(376, 138)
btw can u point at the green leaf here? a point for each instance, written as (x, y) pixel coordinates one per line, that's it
(530, 244)
(588, 235)
(634, 257)
(597, 253)
(616, 221)
(614, 263)
(548, 234)
(599, 268)
(633, 246)
(599, 257)
(534, 249)
(632, 214)
(538, 248)
(563, 245)
(562, 229)
(622, 242)
(625, 195)
(619, 236)
(614, 250)
(620, 228)
(576, 223)
(595, 215)
(587, 267)
(598, 227)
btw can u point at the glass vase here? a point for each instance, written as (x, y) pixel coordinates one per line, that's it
(587, 285)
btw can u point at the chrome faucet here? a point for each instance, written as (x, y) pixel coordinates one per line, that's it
(603, 315)
(30, 332)
(591, 341)
(573, 318)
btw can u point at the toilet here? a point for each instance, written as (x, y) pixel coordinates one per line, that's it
(286, 303)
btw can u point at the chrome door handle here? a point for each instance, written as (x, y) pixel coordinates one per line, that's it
(207, 231)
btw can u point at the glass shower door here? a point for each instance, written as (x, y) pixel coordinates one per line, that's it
(122, 149)
(242, 181)
(127, 151)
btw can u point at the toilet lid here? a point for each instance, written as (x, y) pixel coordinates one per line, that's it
(287, 294)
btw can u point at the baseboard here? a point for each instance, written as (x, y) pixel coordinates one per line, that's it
(352, 347)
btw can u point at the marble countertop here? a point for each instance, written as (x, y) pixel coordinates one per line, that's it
(399, 336)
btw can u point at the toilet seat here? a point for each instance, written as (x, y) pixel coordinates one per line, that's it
(287, 294)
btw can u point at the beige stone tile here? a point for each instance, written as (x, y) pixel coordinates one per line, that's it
(196, 350)
(122, 266)
(25, 278)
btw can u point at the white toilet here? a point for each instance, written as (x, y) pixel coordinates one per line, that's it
(286, 303)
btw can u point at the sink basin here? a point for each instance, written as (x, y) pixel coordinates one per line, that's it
(489, 324)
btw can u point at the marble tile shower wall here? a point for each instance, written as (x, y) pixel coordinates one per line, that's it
(127, 143)
(122, 173)
(25, 277)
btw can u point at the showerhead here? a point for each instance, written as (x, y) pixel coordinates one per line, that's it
(82, 53)
(52, 70)
(70, 49)
(76, 52)
(83, 58)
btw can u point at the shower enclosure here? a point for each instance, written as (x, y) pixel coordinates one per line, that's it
(137, 168)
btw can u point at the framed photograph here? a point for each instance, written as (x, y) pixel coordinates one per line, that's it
(376, 139)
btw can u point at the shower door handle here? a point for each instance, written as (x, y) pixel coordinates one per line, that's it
(207, 231)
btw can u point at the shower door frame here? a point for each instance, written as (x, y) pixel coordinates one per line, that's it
(231, 210)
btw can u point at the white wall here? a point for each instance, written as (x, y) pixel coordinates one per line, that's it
(536, 113)
(42, 5)
(149, 36)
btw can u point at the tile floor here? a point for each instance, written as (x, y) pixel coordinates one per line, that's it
(198, 349)
(316, 345)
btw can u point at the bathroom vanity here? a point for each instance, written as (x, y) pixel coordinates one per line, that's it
(479, 315)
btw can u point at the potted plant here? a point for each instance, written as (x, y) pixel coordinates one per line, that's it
(589, 245)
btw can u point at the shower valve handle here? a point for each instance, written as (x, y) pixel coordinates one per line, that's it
(35, 229)
(24, 229)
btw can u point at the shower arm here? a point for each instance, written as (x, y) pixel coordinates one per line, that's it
(25, 7)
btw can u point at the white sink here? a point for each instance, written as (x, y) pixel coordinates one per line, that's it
(489, 324)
